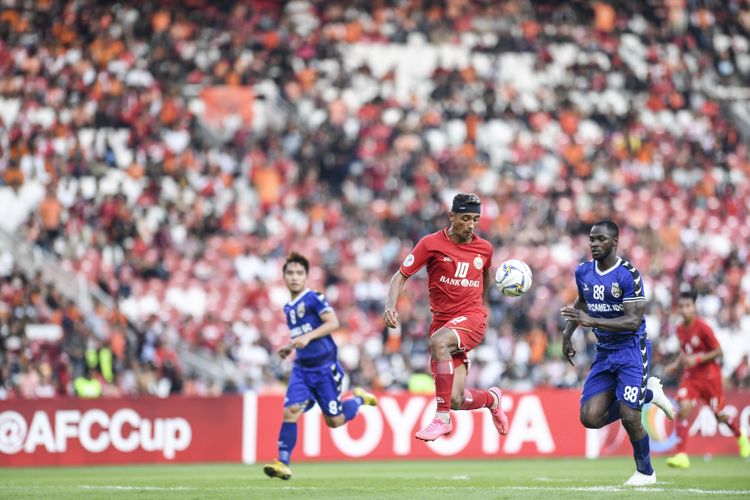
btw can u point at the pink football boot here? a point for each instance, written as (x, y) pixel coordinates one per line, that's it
(498, 417)
(436, 429)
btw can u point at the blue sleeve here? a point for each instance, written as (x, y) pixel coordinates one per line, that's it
(578, 273)
(632, 284)
(320, 305)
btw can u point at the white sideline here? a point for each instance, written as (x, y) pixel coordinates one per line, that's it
(551, 489)
(624, 489)
(134, 488)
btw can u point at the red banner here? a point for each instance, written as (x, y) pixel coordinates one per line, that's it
(542, 423)
(109, 431)
(234, 428)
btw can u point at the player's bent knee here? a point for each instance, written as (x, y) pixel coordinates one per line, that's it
(441, 344)
(438, 346)
(292, 413)
(590, 420)
(591, 423)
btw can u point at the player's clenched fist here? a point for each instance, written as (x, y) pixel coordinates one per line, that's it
(391, 317)
(285, 350)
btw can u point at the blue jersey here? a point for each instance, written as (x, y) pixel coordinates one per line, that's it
(303, 316)
(605, 293)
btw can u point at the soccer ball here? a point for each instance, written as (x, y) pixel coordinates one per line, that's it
(513, 278)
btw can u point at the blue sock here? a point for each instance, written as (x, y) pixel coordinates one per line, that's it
(614, 411)
(642, 455)
(287, 440)
(648, 396)
(351, 407)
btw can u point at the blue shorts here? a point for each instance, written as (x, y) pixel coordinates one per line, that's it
(624, 370)
(319, 383)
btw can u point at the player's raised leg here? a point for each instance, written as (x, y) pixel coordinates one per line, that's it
(367, 398)
(327, 388)
(473, 399)
(655, 394)
(351, 406)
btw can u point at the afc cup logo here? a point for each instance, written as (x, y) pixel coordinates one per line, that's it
(13, 431)
(409, 260)
(616, 290)
(478, 262)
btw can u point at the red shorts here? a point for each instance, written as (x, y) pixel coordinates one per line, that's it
(469, 329)
(710, 390)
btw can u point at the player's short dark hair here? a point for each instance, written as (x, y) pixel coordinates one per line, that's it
(298, 258)
(611, 226)
(687, 294)
(466, 202)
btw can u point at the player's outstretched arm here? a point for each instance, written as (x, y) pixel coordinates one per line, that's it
(329, 325)
(390, 315)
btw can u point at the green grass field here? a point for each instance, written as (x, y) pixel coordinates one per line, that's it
(724, 477)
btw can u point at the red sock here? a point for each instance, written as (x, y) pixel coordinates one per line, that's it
(443, 385)
(733, 425)
(681, 427)
(474, 399)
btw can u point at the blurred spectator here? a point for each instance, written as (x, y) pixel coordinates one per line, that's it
(173, 155)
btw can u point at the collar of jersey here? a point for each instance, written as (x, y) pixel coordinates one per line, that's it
(607, 271)
(299, 297)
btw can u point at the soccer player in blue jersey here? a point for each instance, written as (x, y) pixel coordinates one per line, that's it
(317, 374)
(611, 300)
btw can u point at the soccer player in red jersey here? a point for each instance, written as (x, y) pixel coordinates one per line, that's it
(458, 267)
(701, 379)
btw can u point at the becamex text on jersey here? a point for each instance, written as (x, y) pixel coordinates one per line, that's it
(303, 315)
(606, 293)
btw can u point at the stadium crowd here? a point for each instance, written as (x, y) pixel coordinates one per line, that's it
(357, 122)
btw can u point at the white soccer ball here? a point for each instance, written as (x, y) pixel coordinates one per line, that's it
(513, 278)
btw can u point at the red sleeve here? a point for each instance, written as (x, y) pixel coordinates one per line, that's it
(709, 338)
(416, 259)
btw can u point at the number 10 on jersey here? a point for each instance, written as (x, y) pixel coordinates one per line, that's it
(462, 268)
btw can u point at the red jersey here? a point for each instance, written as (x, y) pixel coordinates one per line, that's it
(455, 273)
(699, 338)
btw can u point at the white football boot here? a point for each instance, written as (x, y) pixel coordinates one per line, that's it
(639, 479)
(660, 399)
